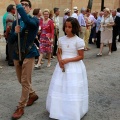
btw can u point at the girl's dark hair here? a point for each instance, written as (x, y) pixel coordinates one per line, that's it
(36, 11)
(75, 25)
(30, 5)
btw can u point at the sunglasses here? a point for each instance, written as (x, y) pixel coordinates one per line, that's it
(25, 4)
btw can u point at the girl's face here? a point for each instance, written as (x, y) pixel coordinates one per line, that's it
(68, 28)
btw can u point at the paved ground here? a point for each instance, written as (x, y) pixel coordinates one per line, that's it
(104, 87)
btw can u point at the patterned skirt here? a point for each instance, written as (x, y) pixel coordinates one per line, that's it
(45, 45)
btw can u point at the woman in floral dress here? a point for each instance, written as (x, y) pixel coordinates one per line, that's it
(46, 37)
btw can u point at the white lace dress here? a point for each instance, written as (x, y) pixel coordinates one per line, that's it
(67, 97)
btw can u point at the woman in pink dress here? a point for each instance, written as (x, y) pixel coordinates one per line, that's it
(46, 37)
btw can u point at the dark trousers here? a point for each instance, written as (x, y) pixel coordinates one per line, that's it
(7, 50)
(92, 34)
(114, 47)
(11, 48)
(98, 39)
(55, 44)
(119, 37)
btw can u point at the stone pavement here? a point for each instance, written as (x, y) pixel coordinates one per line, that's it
(104, 87)
(103, 78)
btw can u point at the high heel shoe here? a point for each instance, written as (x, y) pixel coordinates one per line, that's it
(49, 64)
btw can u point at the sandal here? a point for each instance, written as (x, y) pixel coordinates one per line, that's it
(49, 64)
(38, 66)
(99, 54)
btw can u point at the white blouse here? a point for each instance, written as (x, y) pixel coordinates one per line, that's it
(105, 21)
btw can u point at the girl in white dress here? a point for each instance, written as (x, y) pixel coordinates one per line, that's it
(67, 97)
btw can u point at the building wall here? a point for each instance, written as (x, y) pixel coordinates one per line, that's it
(62, 4)
(111, 4)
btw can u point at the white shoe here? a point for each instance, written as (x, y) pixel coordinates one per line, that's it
(49, 64)
(37, 65)
(99, 54)
(0, 67)
(109, 53)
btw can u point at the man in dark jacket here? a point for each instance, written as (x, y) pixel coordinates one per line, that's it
(28, 28)
(116, 29)
(118, 22)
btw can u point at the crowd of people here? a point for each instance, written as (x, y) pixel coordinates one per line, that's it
(39, 37)
(94, 29)
(101, 29)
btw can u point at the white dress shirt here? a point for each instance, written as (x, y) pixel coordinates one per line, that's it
(75, 15)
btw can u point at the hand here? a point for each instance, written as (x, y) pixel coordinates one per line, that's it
(39, 32)
(17, 29)
(60, 64)
(51, 40)
(104, 25)
(64, 61)
(17, 2)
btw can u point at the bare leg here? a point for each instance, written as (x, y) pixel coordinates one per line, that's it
(49, 57)
(110, 46)
(39, 61)
(40, 58)
(101, 47)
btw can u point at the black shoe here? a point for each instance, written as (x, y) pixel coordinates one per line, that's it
(6, 59)
(11, 64)
(91, 43)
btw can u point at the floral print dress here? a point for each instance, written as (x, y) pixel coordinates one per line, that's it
(47, 33)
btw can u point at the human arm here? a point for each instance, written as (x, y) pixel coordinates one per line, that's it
(31, 22)
(59, 53)
(9, 22)
(75, 59)
(79, 20)
(111, 22)
(52, 30)
(13, 34)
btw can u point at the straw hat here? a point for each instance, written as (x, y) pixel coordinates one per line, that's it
(75, 8)
(67, 10)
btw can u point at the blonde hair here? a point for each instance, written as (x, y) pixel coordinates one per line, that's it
(46, 10)
(107, 10)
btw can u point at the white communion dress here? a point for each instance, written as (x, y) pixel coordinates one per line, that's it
(67, 97)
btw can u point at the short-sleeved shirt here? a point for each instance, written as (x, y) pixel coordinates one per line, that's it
(70, 46)
(4, 20)
(75, 15)
(11, 18)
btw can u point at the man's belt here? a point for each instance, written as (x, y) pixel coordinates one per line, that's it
(83, 26)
